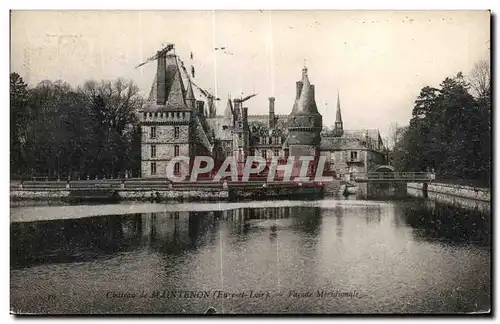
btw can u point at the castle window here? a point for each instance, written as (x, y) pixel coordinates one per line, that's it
(152, 134)
(177, 168)
(145, 115)
(153, 168)
(240, 124)
(150, 114)
(153, 151)
(270, 140)
(354, 155)
(264, 154)
(176, 132)
(178, 114)
(276, 152)
(156, 114)
(176, 150)
(183, 115)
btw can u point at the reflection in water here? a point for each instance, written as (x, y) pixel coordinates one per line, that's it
(339, 214)
(435, 220)
(397, 254)
(73, 240)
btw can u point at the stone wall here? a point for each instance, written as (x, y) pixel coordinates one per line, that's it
(39, 194)
(277, 192)
(126, 194)
(455, 190)
(165, 142)
(483, 206)
(190, 194)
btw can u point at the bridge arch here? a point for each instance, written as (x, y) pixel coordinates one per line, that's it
(383, 168)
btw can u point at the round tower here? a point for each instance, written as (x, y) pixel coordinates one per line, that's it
(304, 122)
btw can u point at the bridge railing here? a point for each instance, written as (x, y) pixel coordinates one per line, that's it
(396, 176)
(159, 184)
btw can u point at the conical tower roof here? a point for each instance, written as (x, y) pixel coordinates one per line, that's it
(190, 99)
(175, 87)
(305, 104)
(228, 112)
(154, 89)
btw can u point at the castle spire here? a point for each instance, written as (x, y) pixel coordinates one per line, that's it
(338, 117)
(339, 127)
(228, 112)
(190, 99)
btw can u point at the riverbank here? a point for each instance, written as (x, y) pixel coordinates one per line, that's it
(480, 194)
(116, 191)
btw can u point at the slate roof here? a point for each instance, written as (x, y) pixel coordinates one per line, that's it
(353, 139)
(176, 98)
(200, 135)
(305, 105)
(216, 125)
(175, 90)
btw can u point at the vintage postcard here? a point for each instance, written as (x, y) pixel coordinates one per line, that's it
(250, 162)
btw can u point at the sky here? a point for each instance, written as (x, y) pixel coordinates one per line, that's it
(377, 60)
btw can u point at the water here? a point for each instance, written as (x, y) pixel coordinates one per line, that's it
(329, 256)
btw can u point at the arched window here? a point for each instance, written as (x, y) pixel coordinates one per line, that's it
(177, 168)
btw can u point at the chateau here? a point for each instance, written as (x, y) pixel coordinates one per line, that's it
(174, 123)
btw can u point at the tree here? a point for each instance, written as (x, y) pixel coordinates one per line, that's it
(91, 130)
(112, 110)
(19, 116)
(449, 131)
(480, 79)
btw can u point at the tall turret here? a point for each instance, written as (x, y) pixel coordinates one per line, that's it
(338, 130)
(172, 124)
(304, 122)
(190, 99)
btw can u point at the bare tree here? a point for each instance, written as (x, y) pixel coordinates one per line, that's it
(480, 79)
(392, 139)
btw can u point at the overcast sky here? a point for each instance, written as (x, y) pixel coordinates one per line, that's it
(378, 60)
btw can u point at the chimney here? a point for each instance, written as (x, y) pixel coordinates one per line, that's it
(244, 115)
(299, 89)
(237, 107)
(211, 107)
(271, 112)
(200, 107)
(161, 78)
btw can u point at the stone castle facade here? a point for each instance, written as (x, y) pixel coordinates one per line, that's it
(174, 123)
